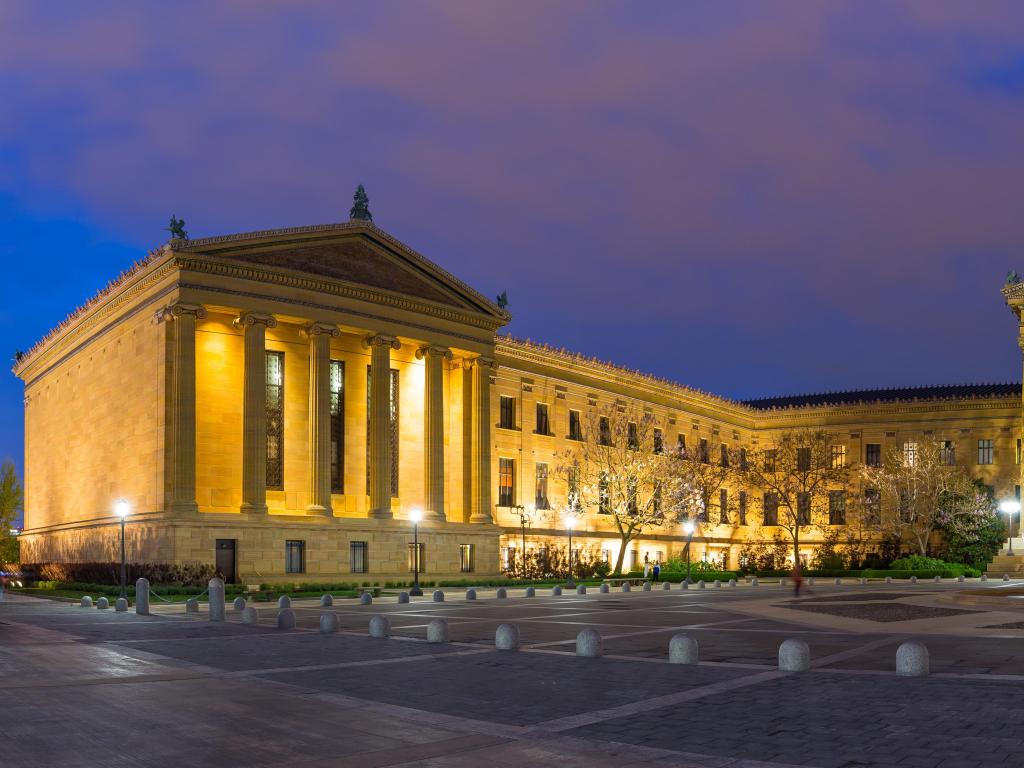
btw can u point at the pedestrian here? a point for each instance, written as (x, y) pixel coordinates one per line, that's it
(798, 579)
(657, 570)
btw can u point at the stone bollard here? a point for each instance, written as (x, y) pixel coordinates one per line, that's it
(912, 659)
(121, 605)
(530, 592)
(682, 649)
(718, 583)
(403, 597)
(700, 584)
(215, 596)
(984, 577)
(732, 582)
(810, 582)
(380, 626)
(913, 579)
(437, 631)
(284, 602)
(588, 643)
(238, 604)
(960, 579)
(142, 597)
(103, 603)
(782, 581)
(863, 581)
(837, 581)
(366, 599)
(684, 584)
(471, 594)
(937, 579)
(286, 619)
(326, 601)
(667, 585)
(647, 586)
(86, 602)
(250, 616)
(626, 587)
(1006, 577)
(753, 582)
(555, 591)
(888, 579)
(604, 589)
(794, 656)
(328, 623)
(581, 589)
(506, 637)
(438, 596)
(192, 605)
(502, 594)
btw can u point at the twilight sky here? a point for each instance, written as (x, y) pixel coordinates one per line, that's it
(753, 198)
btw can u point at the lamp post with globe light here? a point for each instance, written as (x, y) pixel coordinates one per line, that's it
(1009, 507)
(416, 515)
(122, 509)
(688, 529)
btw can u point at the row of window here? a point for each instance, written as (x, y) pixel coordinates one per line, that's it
(359, 557)
(632, 562)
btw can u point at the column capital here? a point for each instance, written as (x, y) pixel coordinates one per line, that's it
(177, 309)
(380, 340)
(254, 318)
(484, 362)
(316, 329)
(433, 350)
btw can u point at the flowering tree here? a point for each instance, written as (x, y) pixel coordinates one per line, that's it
(619, 467)
(699, 473)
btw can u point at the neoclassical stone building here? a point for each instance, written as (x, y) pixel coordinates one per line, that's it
(279, 403)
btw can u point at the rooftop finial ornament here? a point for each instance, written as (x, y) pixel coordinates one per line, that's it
(502, 300)
(360, 206)
(1012, 278)
(177, 228)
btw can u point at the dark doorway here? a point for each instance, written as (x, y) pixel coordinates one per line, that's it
(226, 560)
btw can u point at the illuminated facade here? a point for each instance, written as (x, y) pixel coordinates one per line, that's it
(278, 402)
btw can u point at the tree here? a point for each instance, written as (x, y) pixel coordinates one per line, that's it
(699, 474)
(10, 506)
(619, 468)
(974, 537)
(796, 471)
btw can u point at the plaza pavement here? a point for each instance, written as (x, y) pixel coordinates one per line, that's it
(87, 687)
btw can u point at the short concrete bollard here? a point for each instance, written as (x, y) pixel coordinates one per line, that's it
(581, 589)
(888, 579)
(506, 637)
(238, 604)
(782, 582)
(667, 585)
(250, 616)
(437, 631)
(810, 582)
(502, 594)
(86, 602)
(215, 596)
(863, 581)
(937, 579)
(588, 643)
(913, 579)
(732, 582)
(142, 597)
(380, 626)
(626, 587)
(960, 579)
(471, 594)
(326, 601)
(403, 597)
(794, 656)
(286, 619)
(284, 602)
(103, 603)
(700, 584)
(718, 583)
(192, 605)
(682, 649)
(530, 592)
(984, 577)
(684, 584)
(753, 582)
(647, 586)
(555, 591)
(1006, 577)
(912, 659)
(438, 596)
(121, 605)
(837, 581)
(366, 599)
(604, 589)
(328, 623)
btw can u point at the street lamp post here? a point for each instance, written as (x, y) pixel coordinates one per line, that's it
(525, 515)
(416, 515)
(569, 523)
(122, 509)
(688, 529)
(1009, 507)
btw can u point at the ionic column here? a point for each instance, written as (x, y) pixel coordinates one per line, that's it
(320, 335)
(433, 431)
(181, 461)
(482, 368)
(254, 410)
(380, 423)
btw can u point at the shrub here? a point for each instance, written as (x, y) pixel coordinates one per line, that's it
(186, 574)
(918, 563)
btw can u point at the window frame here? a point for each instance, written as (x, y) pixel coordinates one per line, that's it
(291, 546)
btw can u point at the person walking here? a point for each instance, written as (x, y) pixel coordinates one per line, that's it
(657, 570)
(798, 579)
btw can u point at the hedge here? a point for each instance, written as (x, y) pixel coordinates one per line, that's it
(678, 576)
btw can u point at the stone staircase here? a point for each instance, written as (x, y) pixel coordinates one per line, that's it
(1004, 562)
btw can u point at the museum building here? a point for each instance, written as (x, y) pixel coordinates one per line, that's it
(284, 403)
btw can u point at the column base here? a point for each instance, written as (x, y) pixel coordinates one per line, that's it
(183, 508)
(316, 509)
(381, 514)
(481, 519)
(253, 509)
(433, 517)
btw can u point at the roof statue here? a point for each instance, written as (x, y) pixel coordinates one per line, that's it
(502, 300)
(177, 228)
(1012, 278)
(360, 205)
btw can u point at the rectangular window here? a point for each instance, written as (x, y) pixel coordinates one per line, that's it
(1018, 450)
(702, 453)
(358, 557)
(294, 556)
(771, 509)
(575, 426)
(910, 454)
(506, 482)
(803, 508)
(338, 427)
(543, 424)
(723, 506)
(949, 452)
(632, 436)
(417, 557)
(659, 441)
(873, 454)
(769, 460)
(725, 456)
(392, 427)
(838, 456)
(507, 413)
(572, 482)
(275, 420)
(743, 507)
(631, 494)
(605, 430)
(634, 559)
(985, 452)
(803, 459)
(743, 459)
(466, 558)
(872, 505)
(606, 555)
(541, 496)
(837, 507)
(681, 443)
(603, 502)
